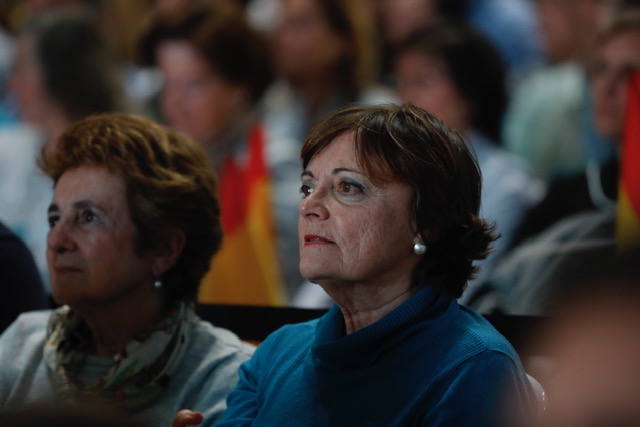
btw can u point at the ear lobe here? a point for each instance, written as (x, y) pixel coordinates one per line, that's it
(168, 254)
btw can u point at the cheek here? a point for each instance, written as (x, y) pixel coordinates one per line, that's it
(107, 248)
(363, 238)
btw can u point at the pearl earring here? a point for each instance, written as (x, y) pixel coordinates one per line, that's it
(419, 248)
(157, 284)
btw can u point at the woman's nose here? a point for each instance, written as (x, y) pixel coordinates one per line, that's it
(59, 239)
(314, 205)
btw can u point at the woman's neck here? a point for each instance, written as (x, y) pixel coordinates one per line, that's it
(363, 304)
(114, 324)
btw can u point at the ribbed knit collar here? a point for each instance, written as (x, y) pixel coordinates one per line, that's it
(332, 349)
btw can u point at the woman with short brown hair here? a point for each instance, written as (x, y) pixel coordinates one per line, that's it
(134, 222)
(389, 228)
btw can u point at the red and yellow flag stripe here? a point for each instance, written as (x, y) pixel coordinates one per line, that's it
(246, 269)
(628, 218)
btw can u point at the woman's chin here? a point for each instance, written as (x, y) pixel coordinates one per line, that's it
(62, 296)
(59, 299)
(311, 273)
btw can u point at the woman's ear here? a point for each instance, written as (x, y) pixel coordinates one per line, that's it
(167, 254)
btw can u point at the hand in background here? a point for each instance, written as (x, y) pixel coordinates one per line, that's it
(185, 418)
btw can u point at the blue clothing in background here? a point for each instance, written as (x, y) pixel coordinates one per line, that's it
(429, 362)
(512, 26)
(22, 288)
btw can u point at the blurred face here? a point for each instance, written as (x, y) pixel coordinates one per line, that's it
(401, 17)
(91, 242)
(595, 379)
(569, 26)
(615, 59)
(196, 99)
(424, 82)
(304, 43)
(555, 18)
(26, 84)
(352, 230)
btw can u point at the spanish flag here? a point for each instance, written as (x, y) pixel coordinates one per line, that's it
(246, 269)
(628, 219)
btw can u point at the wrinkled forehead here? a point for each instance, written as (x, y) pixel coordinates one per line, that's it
(91, 183)
(368, 151)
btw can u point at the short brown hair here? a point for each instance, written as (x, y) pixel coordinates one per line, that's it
(170, 185)
(407, 144)
(220, 33)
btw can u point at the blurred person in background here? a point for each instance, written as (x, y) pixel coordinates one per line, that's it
(134, 222)
(615, 55)
(574, 225)
(456, 74)
(7, 46)
(549, 121)
(118, 22)
(62, 72)
(215, 69)
(325, 56)
(510, 25)
(590, 342)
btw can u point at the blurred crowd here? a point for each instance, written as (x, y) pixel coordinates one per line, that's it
(537, 88)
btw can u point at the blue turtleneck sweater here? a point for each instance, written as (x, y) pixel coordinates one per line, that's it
(429, 362)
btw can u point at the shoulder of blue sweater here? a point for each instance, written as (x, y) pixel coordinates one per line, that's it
(478, 335)
(293, 336)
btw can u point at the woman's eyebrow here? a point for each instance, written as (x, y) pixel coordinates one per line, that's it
(333, 172)
(78, 205)
(81, 204)
(101, 208)
(338, 170)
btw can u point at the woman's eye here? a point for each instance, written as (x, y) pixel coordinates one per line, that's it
(88, 216)
(305, 190)
(53, 220)
(349, 188)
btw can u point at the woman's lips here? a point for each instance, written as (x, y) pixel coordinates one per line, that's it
(66, 269)
(314, 239)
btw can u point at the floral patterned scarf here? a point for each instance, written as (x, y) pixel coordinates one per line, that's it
(139, 373)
